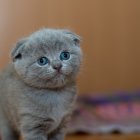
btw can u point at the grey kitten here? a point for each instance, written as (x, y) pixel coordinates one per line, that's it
(38, 89)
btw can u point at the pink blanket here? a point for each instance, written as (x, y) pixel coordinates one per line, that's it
(107, 114)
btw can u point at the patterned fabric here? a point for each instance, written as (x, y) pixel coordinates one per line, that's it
(106, 114)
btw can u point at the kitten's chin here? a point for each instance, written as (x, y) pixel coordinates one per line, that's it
(52, 86)
(57, 82)
(46, 85)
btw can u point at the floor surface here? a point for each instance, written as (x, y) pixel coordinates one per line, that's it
(104, 137)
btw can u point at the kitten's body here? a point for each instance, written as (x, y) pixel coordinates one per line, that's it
(31, 105)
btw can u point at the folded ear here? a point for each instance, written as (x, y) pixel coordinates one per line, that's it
(17, 51)
(76, 38)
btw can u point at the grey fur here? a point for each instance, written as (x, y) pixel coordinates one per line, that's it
(36, 101)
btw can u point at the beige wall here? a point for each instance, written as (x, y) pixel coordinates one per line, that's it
(110, 30)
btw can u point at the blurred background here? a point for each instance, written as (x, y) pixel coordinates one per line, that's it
(110, 31)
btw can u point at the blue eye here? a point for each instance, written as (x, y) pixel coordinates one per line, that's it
(43, 61)
(64, 56)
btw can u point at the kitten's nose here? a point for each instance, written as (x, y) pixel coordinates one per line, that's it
(56, 65)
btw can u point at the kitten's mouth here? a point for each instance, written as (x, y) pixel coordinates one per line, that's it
(59, 72)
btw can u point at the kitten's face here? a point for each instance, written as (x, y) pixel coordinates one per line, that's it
(48, 58)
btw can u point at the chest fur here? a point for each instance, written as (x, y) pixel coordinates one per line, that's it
(49, 104)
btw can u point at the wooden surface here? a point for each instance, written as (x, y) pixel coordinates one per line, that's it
(104, 137)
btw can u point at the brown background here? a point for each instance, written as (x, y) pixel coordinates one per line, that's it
(110, 30)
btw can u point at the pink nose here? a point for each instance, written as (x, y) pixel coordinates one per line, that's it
(57, 67)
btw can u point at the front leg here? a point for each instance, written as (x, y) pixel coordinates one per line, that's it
(7, 132)
(33, 134)
(32, 130)
(60, 132)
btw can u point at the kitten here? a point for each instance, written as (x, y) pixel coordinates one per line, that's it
(38, 88)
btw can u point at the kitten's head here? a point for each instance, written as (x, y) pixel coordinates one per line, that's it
(49, 58)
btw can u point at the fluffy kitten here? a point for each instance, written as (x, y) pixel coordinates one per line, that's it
(38, 89)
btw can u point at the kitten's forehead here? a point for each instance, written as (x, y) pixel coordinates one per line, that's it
(48, 40)
(50, 37)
